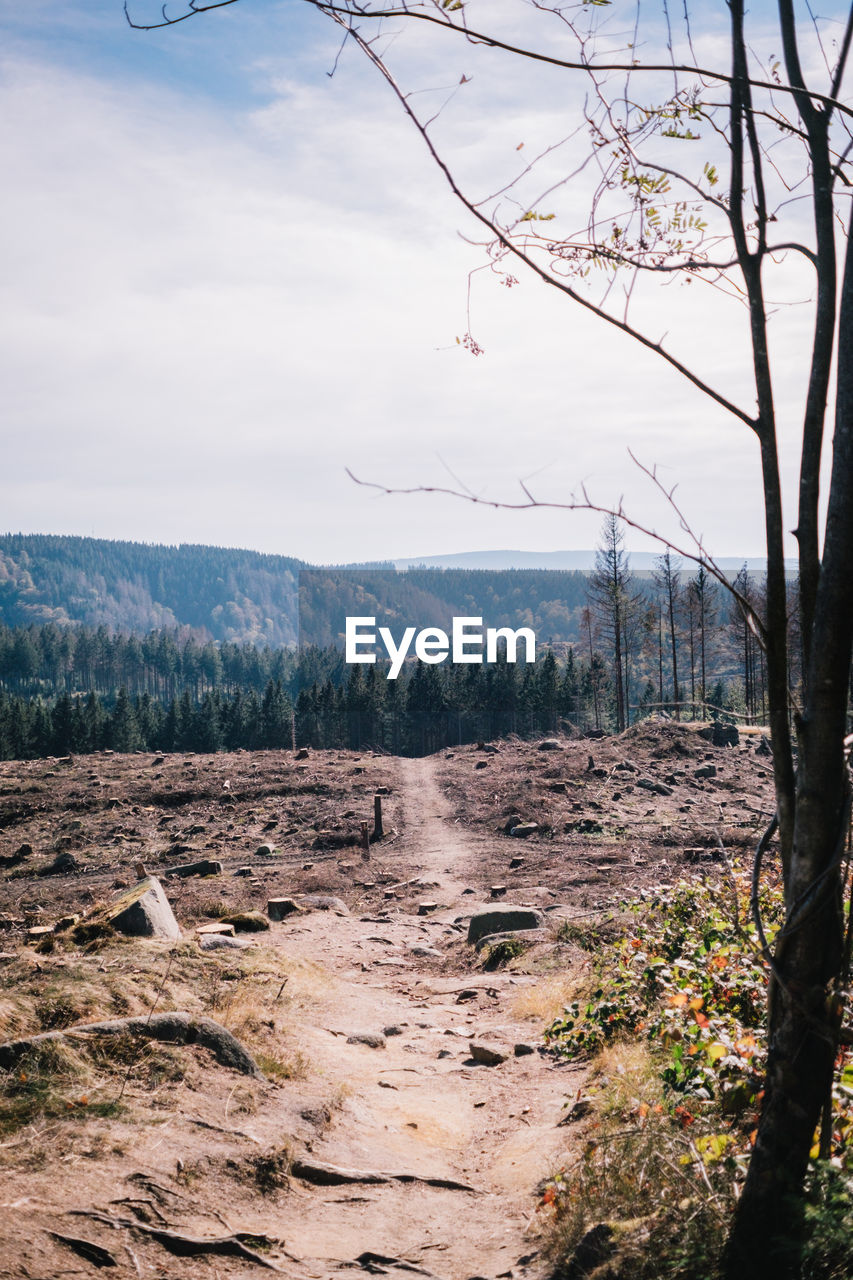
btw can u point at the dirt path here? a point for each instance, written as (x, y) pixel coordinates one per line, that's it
(454, 1149)
(419, 1105)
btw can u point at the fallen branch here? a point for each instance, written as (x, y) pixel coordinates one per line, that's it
(183, 1246)
(171, 1028)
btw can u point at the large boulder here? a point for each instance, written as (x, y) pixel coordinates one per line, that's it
(503, 920)
(143, 912)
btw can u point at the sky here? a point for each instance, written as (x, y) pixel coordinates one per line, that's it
(231, 277)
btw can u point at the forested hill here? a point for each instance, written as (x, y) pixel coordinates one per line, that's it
(135, 588)
(244, 597)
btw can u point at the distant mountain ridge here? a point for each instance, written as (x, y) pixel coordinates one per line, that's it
(581, 561)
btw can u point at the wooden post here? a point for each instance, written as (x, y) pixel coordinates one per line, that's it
(378, 833)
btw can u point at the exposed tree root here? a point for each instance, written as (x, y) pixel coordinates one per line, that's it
(184, 1246)
(330, 1175)
(173, 1028)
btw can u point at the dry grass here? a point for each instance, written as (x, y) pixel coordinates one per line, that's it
(254, 993)
(543, 1001)
(635, 1180)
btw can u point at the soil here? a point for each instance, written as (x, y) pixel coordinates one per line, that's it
(186, 1145)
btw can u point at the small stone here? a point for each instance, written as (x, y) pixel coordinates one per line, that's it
(372, 1039)
(247, 921)
(324, 902)
(486, 1054)
(280, 908)
(659, 788)
(393, 1030)
(221, 941)
(582, 1107)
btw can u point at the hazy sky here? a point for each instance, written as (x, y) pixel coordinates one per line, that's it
(228, 276)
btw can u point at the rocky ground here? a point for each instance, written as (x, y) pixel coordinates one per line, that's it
(374, 1140)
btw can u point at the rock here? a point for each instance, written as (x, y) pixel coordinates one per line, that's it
(488, 1055)
(649, 784)
(372, 1039)
(265, 851)
(703, 855)
(503, 920)
(280, 908)
(206, 867)
(393, 1030)
(143, 912)
(221, 941)
(247, 921)
(219, 927)
(524, 829)
(550, 744)
(705, 771)
(12, 859)
(580, 1108)
(63, 864)
(721, 735)
(481, 764)
(324, 902)
(525, 938)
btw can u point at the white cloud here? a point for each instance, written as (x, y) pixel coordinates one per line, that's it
(210, 311)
